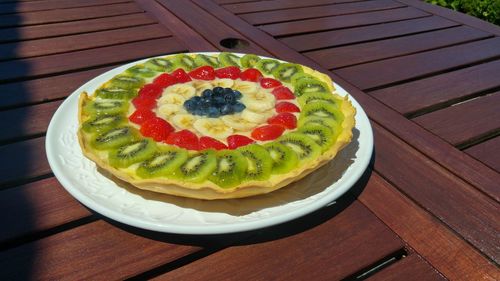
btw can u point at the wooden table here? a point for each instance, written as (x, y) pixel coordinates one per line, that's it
(427, 209)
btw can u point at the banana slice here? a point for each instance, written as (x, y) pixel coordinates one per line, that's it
(214, 128)
(224, 83)
(172, 99)
(169, 109)
(184, 121)
(185, 90)
(238, 123)
(201, 86)
(245, 87)
(259, 102)
(253, 117)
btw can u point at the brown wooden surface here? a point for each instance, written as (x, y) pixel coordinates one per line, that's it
(426, 77)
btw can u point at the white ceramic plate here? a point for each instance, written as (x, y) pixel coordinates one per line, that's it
(159, 212)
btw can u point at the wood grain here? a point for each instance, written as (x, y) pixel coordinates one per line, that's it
(43, 5)
(258, 6)
(321, 24)
(487, 152)
(62, 15)
(376, 74)
(340, 246)
(319, 11)
(36, 207)
(410, 268)
(442, 89)
(366, 52)
(352, 35)
(466, 121)
(440, 246)
(96, 251)
(69, 43)
(54, 64)
(72, 27)
(457, 204)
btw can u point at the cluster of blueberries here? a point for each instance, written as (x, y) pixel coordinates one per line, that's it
(215, 102)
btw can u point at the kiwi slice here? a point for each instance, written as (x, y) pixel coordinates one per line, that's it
(285, 71)
(141, 71)
(322, 109)
(230, 170)
(309, 85)
(105, 107)
(249, 60)
(305, 147)
(114, 138)
(130, 153)
(267, 66)
(322, 135)
(115, 93)
(102, 123)
(331, 124)
(163, 163)
(183, 61)
(258, 160)
(201, 59)
(313, 97)
(126, 82)
(197, 167)
(284, 159)
(300, 75)
(160, 65)
(229, 59)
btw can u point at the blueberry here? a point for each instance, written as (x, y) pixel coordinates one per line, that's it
(226, 109)
(219, 100)
(190, 104)
(206, 94)
(228, 91)
(237, 95)
(213, 112)
(238, 107)
(196, 99)
(218, 90)
(229, 98)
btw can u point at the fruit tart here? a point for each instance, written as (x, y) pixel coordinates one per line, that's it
(214, 126)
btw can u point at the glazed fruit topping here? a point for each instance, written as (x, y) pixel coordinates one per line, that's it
(141, 115)
(268, 132)
(286, 119)
(203, 73)
(283, 93)
(286, 107)
(208, 142)
(181, 75)
(251, 74)
(231, 72)
(156, 128)
(235, 141)
(185, 139)
(268, 83)
(215, 102)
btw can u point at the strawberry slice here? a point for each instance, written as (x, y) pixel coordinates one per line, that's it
(185, 139)
(141, 115)
(267, 132)
(268, 83)
(181, 75)
(286, 119)
(165, 80)
(283, 93)
(152, 91)
(203, 73)
(251, 74)
(235, 141)
(208, 142)
(231, 72)
(286, 107)
(144, 102)
(156, 128)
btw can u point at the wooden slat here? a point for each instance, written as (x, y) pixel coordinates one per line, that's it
(466, 210)
(487, 152)
(52, 64)
(259, 6)
(410, 268)
(43, 17)
(321, 24)
(339, 247)
(44, 89)
(73, 27)
(465, 121)
(366, 33)
(84, 41)
(96, 251)
(378, 50)
(19, 123)
(35, 207)
(42, 5)
(439, 245)
(319, 11)
(25, 160)
(440, 89)
(376, 74)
